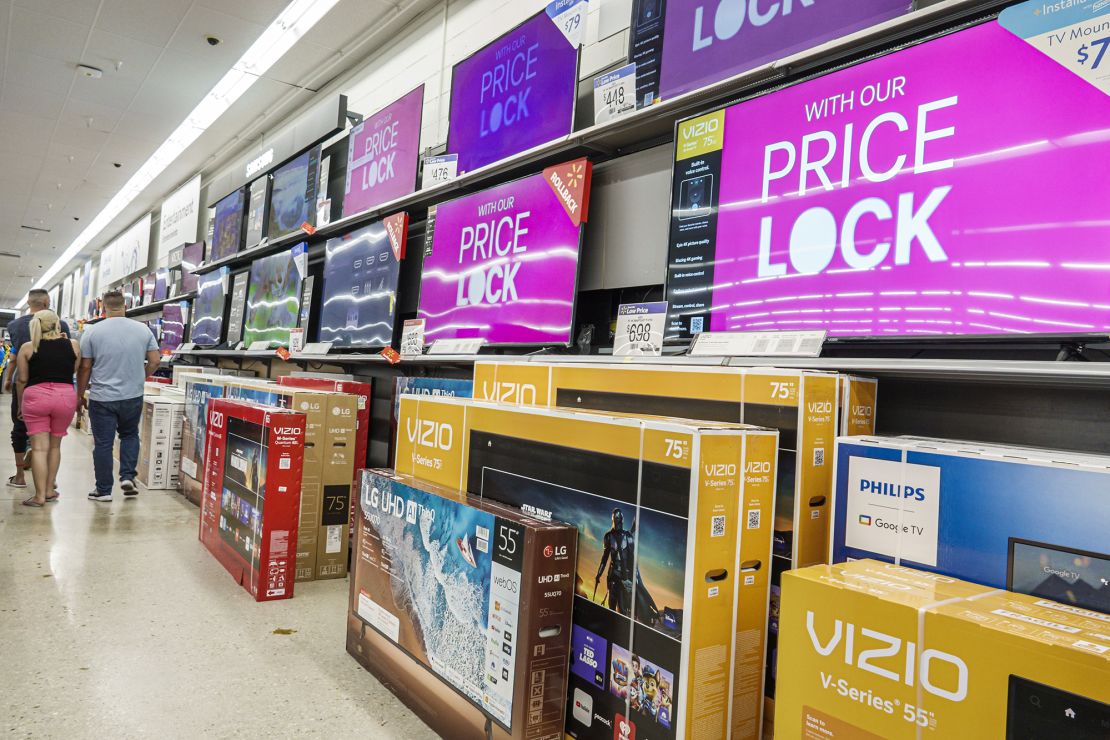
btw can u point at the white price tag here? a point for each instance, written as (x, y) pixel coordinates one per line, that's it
(758, 344)
(640, 329)
(323, 212)
(412, 338)
(259, 346)
(615, 94)
(316, 348)
(438, 170)
(296, 340)
(456, 346)
(185, 348)
(570, 17)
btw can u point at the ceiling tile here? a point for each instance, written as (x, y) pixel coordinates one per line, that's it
(236, 35)
(111, 90)
(347, 20)
(78, 11)
(153, 22)
(29, 135)
(304, 64)
(106, 49)
(32, 70)
(44, 35)
(147, 124)
(31, 101)
(177, 83)
(78, 113)
(81, 137)
(262, 12)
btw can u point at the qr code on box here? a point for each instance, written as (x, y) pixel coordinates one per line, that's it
(697, 324)
(717, 527)
(819, 457)
(753, 518)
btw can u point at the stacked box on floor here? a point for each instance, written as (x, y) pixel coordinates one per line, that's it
(671, 589)
(330, 434)
(160, 442)
(1012, 517)
(198, 389)
(438, 387)
(252, 489)
(875, 650)
(476, 593)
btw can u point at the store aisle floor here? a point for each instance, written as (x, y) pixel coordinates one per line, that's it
(116, 622)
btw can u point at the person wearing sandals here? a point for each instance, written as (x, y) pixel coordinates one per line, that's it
(45, 367)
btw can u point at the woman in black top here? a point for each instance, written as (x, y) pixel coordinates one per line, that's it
(47, 400)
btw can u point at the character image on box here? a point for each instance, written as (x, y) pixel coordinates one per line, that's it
(619, 554)
(646, 686)
(244, 489)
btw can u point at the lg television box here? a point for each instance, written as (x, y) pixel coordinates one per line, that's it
(674, 542)
(1031, 520)
(875, 650)
(477, 593)
(363, 393)
(198, 389)
(446, 387)
(250, 510)
(329, 458)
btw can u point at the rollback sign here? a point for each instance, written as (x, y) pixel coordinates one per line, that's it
(383, 154)
(503, 263)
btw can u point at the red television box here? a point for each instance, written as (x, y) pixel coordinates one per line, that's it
(251, 501)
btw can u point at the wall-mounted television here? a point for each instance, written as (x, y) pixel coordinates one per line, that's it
(209, 308)
(515, 93)
(256, 212)
(503, 263)
(911, 195)
(192, 256)
(227, 234)
(174, 316)
(383, 154)
(361, 270)
(293, 195)
(274, 296)
(161, 284)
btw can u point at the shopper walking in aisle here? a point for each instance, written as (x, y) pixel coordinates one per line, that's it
(117, 355)
(20, 332)
(47, 402)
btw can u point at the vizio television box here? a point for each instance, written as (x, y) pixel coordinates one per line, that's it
(671, 589)
(1022, 518)
(446, 387)
(330, 431)
(198, 389)
(252, 494)
(476, 593)
(876, 650)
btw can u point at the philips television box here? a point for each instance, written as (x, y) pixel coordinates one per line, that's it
(422, 386)
(194, 429)
(502, 264)
(252, 494)
(478, 594)
(894, 197)
(515, 93)
(361, 270)
(992, 514)
(293, 195)
(328, 470)
(256, 212)
(671, 589)
(877, 650)
(383, 155)
(209, 309)
(274, 296)
(227, 234)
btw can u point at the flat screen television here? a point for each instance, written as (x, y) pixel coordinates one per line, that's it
(148, 289)
(274, 296)
(173, 326)
(503, 263)
(293, 195)
(911, 195)
(383, 154)
(209, 308)
(256, 212)
(515, 93)
(359, 302)
(192, 256)
(227, 233)
(161, 284)
(243, 493)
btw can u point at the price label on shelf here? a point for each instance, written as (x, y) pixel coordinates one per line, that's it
(438, 170)
(456, 346)
(296, 340)
(640, 329)
(570, 17)
(412, 338)
(758, 344)
(316, 348)
(1076, 37)
(615, 94)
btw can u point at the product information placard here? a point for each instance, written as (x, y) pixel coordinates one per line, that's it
(912, 194)
(503, 263)
(514, 94)
(615, 94)
(383, 153)
(438, 170)
(640, 329)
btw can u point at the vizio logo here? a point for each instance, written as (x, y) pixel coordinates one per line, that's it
(430, 433)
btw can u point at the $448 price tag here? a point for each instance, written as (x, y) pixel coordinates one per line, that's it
(615, 94)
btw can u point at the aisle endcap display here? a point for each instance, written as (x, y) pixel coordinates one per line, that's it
(878, 650)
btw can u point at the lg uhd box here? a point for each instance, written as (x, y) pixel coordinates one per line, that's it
(363, 393)
(475, 592)
(1028, 519)
(875, 650)
(670, 608)
(252, 494)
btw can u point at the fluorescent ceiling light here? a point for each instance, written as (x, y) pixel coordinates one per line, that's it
(293, 23)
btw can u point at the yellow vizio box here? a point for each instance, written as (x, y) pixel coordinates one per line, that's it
(875, 650)
(674, 548)
(859, 397)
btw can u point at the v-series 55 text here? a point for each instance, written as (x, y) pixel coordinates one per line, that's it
(495, 242)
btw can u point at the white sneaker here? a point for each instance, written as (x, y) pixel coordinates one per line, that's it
(129, 488)
(97, 496)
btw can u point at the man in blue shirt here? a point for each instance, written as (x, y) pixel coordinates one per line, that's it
(20, 332)
(117, 355)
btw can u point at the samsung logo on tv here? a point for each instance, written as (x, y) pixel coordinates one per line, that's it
(881, 488)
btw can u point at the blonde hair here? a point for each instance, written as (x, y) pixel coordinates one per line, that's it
(45, 324)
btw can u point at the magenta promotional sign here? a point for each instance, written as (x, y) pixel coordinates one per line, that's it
(383, 153)
(925, 192)
(706, 41)
(514, 94)
(502, 264)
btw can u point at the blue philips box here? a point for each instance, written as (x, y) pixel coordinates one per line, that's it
(1029, 520)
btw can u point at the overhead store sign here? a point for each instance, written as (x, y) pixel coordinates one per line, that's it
(383, 155)
(128, 254)
(180, 216)
(918, 193)
(502, 264)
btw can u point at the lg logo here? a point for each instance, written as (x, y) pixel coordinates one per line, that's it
(732, 14)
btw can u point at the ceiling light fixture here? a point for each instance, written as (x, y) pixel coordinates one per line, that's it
(280, 36)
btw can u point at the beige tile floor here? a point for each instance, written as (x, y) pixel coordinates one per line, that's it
(116, 623)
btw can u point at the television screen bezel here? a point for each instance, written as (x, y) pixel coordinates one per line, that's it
(311, 193)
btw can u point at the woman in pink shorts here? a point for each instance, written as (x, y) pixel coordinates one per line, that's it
(47, 400)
